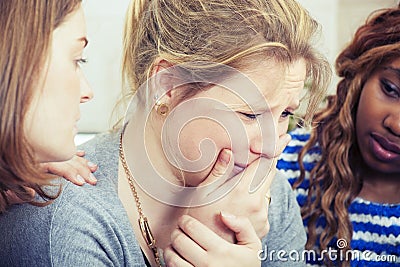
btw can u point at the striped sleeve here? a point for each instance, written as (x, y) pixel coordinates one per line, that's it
(287, 162)
(376, 226)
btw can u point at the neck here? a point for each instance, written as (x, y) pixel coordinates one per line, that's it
(162, 218)
(380, 187)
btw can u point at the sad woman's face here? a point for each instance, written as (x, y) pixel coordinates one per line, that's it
(378, 120)
(252, 126)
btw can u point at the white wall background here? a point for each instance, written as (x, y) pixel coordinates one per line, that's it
(104, 21)
(339, 19)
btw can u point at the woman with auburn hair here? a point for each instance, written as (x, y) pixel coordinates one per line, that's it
(36, 95)
(41, 88)
(348, 176)
(213, 84)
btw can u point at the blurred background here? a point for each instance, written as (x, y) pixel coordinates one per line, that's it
(339, 20)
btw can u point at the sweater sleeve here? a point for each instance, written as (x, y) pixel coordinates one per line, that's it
(284, 244)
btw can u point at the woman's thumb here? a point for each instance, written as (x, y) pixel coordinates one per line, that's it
(243, 229)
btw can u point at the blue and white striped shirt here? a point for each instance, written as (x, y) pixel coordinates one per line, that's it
(376, 227)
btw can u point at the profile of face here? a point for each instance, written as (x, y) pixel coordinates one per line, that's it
(280, 91)
(378, 120)
(50, 122)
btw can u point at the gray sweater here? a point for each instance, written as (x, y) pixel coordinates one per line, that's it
(88, 226)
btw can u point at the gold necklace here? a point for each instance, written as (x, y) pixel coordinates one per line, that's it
(143, 223)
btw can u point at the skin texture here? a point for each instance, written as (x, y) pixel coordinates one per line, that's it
(51, 119)
(378, 134)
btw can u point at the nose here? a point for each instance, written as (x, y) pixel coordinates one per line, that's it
(264, 138)
(392, 121)
(270, 146)
(86, 90)
(270, 140)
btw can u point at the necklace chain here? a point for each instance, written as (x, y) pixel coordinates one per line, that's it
(143, 222)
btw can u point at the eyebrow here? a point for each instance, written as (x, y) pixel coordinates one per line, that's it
(85, 40)
(396, 70)
(260, 106)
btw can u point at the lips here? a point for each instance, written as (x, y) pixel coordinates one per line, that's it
(386, 143)
(383, 148)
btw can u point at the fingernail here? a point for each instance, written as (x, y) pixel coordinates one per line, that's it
(225, 156)
(91, 164)
(227, 215)
(80, 179)
(92, 178)
(80, 151)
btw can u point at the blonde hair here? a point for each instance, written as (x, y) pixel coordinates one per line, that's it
(26, 28)
(227, 32)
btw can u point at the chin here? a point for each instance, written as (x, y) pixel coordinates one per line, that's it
(64, 153)
(70, 154)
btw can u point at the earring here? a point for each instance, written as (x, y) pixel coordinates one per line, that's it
(162, 109)
(268, 198)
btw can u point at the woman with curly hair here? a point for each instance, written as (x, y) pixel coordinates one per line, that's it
(346, 173)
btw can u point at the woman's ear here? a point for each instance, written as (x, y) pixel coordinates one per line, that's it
(163, 80)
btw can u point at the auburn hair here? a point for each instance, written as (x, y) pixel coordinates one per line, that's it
(26, 28)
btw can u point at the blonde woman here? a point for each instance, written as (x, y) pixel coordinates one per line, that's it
(212, 84)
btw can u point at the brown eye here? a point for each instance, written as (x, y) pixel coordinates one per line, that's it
(390, 89)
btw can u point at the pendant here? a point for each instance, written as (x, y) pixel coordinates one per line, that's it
(146, 232)
(149, 238)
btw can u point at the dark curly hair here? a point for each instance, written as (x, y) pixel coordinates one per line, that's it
(336, 180)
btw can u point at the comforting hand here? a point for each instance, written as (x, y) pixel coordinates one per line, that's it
(194, 244)
(78, 170)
